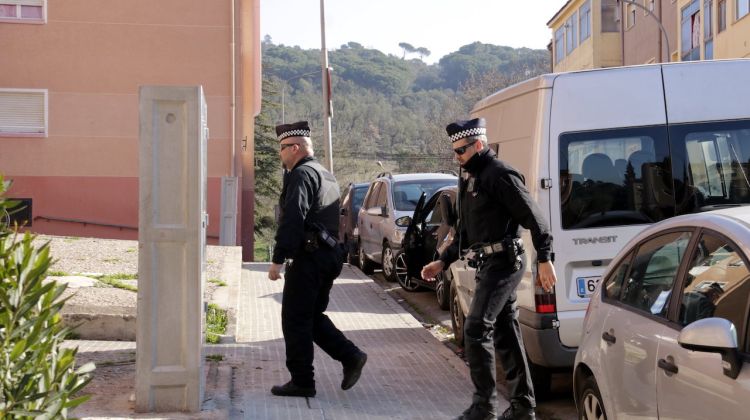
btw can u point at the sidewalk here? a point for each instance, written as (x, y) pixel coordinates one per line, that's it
(409, 374)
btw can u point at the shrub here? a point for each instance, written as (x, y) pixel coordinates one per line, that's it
(38, 377)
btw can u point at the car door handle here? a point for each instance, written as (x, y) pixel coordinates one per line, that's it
(609, 338)
(668, 366)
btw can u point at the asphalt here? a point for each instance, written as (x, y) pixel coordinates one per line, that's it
(409, 374)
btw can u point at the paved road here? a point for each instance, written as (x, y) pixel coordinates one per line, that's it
(423, 306)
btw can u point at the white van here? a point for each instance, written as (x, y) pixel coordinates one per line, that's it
(605, 153)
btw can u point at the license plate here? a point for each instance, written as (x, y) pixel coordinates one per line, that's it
(587, 285)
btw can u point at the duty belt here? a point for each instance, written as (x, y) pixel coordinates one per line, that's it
(498, 247)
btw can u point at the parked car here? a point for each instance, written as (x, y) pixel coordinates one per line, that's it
(385, 216)
(348, 214)
(429, 233)
(666, 332)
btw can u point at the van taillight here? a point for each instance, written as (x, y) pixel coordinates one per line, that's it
(545, 302)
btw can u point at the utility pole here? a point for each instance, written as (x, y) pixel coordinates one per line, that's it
(327, 105)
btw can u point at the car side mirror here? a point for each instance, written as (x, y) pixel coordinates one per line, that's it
(714, 335)
(447, 210)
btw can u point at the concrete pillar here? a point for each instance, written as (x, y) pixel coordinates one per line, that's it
(171, 242)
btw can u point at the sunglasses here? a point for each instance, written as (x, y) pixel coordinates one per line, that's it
(284, 146)
(461, 150)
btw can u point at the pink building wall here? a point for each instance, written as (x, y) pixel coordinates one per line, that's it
(91, 56)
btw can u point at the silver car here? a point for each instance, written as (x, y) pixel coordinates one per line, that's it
(385, 216)
(666, 331)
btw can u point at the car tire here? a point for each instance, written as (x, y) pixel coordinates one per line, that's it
(367, 266)
(542, 379)
(394, 269)
(457, 316)
(443, 290)
(590, 403)
(353, 257)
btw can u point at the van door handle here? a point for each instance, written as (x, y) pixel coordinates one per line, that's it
(668, 366)
(609, 338)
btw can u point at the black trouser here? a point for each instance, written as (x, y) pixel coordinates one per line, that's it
(308, 282)
(493, 316)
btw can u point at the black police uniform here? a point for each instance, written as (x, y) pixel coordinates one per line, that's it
(309, 201)
(493, 203)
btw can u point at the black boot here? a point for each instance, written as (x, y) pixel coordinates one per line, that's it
(289, 389)
(353, 370)
(478, 412)
(518, 411)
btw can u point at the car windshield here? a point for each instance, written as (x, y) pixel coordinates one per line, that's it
(406, 193)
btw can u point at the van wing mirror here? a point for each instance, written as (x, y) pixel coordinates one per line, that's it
(714, 335)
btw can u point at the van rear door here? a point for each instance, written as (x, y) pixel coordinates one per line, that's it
(599, 120)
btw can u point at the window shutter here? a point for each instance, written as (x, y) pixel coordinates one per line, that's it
(25, 2)
(23, 112)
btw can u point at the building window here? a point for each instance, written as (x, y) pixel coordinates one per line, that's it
(23, 113)
(708, 32)
(559, 45)
(584, 15)
(571, 33)
(690, 32)
(743, 7)
(610, 16)
(722, 18)
(23, 11)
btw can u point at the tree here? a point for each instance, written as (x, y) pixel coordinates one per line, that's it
(408, 48)
(423, 52)
(267, 169)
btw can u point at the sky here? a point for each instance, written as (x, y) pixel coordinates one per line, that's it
(441, 26)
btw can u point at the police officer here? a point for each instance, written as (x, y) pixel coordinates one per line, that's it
(493, 202)
(309, 206)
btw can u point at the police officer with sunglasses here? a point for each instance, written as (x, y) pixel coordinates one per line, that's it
(493, 204)
(305, 241)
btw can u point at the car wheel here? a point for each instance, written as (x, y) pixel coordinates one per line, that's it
(367, 266)
(388, 263)
(542, 379)
(402, 276)
(590, 405)
(457, 316)
(353, 256)
(442, 289)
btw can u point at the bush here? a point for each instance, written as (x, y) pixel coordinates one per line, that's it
(38, 378)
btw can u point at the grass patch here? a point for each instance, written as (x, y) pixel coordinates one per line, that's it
(216, 323)
(70, 239)
(114, 280)
(57, 273)
(214, 357)
(130, 250)
(111, 260)
(218, 282)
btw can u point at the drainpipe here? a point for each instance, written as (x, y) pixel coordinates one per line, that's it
(232, 104)
(661, 54)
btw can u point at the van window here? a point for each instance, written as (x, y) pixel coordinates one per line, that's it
(615, 178)
(711, 165)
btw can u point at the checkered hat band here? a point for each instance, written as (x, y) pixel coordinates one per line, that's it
(294, 133)
(479, 131)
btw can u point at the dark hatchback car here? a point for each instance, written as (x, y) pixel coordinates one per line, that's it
(429, 233)
(348, 213)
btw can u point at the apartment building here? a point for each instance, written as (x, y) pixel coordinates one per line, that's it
(713, 29)
(69, 77)
(586, 35)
